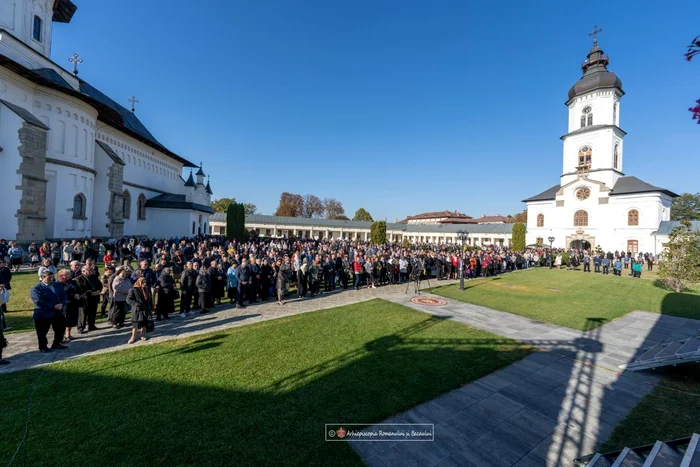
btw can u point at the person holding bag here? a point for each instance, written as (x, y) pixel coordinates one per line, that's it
(141, 302)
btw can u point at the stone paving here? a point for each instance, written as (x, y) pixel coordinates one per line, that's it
(23, 351)
(547, 409)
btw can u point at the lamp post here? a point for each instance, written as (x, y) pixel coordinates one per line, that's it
(462, 235)
(551, 241)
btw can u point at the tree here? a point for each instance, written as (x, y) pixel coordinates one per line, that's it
(680, 264)
(520, 217)
(235, 221)
(377, 232)
(222, 204)
(362, 215)
(250, 209)
(312, 207)
(291, 205)
(693, 50)
(686, 207)
(518, 237)
(334, 208)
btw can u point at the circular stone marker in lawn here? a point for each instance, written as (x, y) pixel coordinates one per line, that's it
(428, 301)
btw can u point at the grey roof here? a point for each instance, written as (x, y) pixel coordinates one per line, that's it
(218, 217)
(200, 171)
(632, 185)
(546, 195)
(25, 115)
(173, 201)
(110, 152)
(665, 227)
(420, 228)
(209, 189)
(63, 11)
(190, 180)
(595, 74)
(52, 75)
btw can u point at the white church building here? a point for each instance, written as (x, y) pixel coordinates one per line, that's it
(595, 203)
(75, 163)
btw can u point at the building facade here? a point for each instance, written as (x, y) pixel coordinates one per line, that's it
(76, 163)
(302, 227)
(595, 203)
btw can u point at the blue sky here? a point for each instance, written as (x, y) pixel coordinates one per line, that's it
(396, 106)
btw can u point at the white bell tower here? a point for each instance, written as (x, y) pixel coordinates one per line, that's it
(593, 145)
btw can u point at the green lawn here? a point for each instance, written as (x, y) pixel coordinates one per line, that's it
(570, 298)
(669, 412)
(253, 395)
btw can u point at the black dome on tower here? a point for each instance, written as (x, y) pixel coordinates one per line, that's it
(595, 74)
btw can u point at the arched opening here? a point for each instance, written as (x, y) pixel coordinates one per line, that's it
(580, 245)
(194, 226)
(616, 157)
(632, 217)
(585, 156)
(79, 203)
(141, 207)
(540, 220)
(580, 218)
(126, 204)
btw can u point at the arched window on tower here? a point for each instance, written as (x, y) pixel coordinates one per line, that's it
(540, 220)
(585, 156)
(632, 217)
(79, 203)
(586, 116)
(126, 204)
(580, 219)
(615, 113)
(141, 207)
(616, 157)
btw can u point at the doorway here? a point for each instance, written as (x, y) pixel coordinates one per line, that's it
(580, 245)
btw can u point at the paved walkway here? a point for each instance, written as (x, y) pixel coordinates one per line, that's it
(547, 409)
(23, 350)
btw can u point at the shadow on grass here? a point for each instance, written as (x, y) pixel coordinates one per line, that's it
(686, 305)
(226, 419)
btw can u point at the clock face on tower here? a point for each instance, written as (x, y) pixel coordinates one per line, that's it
(583, 193)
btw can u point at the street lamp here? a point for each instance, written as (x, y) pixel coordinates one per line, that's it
(551, 240)
(463, 236)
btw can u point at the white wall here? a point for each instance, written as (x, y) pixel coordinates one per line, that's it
(10, 159)
(102, 194)
(17, 17)
(64, 184)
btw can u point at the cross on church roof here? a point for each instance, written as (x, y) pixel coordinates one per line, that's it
(595, 32)
(133, 101)
(75, 59)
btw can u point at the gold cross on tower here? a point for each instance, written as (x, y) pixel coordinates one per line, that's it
(75, 60)
(133, 101)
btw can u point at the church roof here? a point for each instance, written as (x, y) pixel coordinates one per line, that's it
(108, 110)
(110, 152)
(665, 227)
(190, 180)
(632, 185)
(173, 201)
(200, 171)
(209, 188)
(63, 11)
(587, 129)
(595, 74)
(25, 115)
(546, 195)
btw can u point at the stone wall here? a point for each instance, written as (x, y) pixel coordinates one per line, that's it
(31, 215)
(115, 214)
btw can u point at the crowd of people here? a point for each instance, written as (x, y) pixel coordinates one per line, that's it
(203, 272)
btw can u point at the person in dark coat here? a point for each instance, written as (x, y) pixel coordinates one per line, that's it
(244, 276)
(141, 302)
(204, 289)
(91, 286)
(218, 283)
(166, 295)
(188, 285)
(74, 298)
(49, 300)
(5, 279)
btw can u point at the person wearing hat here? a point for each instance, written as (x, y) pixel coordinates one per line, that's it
(49, 300)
